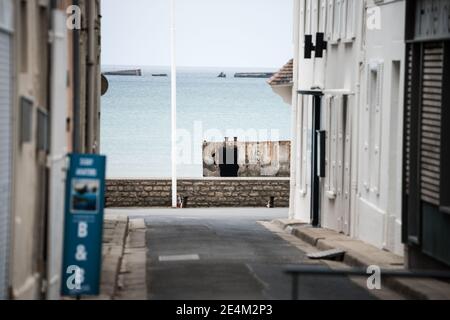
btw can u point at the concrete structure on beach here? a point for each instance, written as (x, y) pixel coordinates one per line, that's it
(246, 159)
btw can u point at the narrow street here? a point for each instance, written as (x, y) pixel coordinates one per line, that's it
(227, 254)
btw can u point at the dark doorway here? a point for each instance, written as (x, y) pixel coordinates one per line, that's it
(228, 166)
(316, 167)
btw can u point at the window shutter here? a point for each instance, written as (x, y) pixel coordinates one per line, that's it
(334, 143)
(328, 117)
(351, 20)
(330, 17)
(378, 130)
(308, 17)
(302, 22)
(337, 20)
(323, 17)
(340, 145)
(305, 143)
(367, 120)
(344, 12)
(372, 144)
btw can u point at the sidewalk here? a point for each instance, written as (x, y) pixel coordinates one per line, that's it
(115, 231)
(123, 274)
(361, 255)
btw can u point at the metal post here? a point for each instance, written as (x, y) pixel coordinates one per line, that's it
(295, 286)
(174, 104)
(315, 201)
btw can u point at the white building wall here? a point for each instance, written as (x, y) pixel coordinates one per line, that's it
(381, 127)
(361, 195)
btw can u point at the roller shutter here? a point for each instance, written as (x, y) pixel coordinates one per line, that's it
(430, 122)
(423, 120)
(5, 157)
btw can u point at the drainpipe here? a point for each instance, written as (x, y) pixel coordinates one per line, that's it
(91, 83)
(294, 118)
(45, 195)
(76, 88)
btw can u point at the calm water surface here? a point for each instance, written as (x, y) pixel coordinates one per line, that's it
(136, 119)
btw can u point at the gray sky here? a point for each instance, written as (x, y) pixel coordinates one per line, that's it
(210, 33)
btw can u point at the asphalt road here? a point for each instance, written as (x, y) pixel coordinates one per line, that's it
(226, 254)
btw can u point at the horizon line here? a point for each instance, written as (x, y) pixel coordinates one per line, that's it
(168, 66)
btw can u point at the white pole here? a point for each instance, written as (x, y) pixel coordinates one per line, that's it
(174, 104)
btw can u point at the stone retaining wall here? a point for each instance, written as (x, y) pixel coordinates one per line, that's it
(200, 193)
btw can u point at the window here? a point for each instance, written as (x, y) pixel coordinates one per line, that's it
(341, 20)
(6, 15)
(26, 119)
(42, 131)
(23, 36)
(43, 56)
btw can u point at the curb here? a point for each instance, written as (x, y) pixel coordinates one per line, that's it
(113, 247)
(119, 265)
(411, 289)
(132, 278)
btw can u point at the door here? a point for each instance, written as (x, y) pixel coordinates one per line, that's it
(5, 156)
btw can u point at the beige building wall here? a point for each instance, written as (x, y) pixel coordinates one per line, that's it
(30, 197)
(29, 163)
(88, 113)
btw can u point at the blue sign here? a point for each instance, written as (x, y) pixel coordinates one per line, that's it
(84, 211)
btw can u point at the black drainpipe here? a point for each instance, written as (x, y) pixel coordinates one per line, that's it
(45, 219)
(315, 178)
(76, 88)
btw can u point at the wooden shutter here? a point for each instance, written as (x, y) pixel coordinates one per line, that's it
(430, 130)
(330, 19)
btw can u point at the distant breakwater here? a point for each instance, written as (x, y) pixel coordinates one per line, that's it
(264, 75)
(136, 73)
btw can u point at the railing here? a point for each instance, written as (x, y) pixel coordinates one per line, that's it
(296, 271)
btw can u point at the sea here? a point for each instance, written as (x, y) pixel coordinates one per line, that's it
(136, 118)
